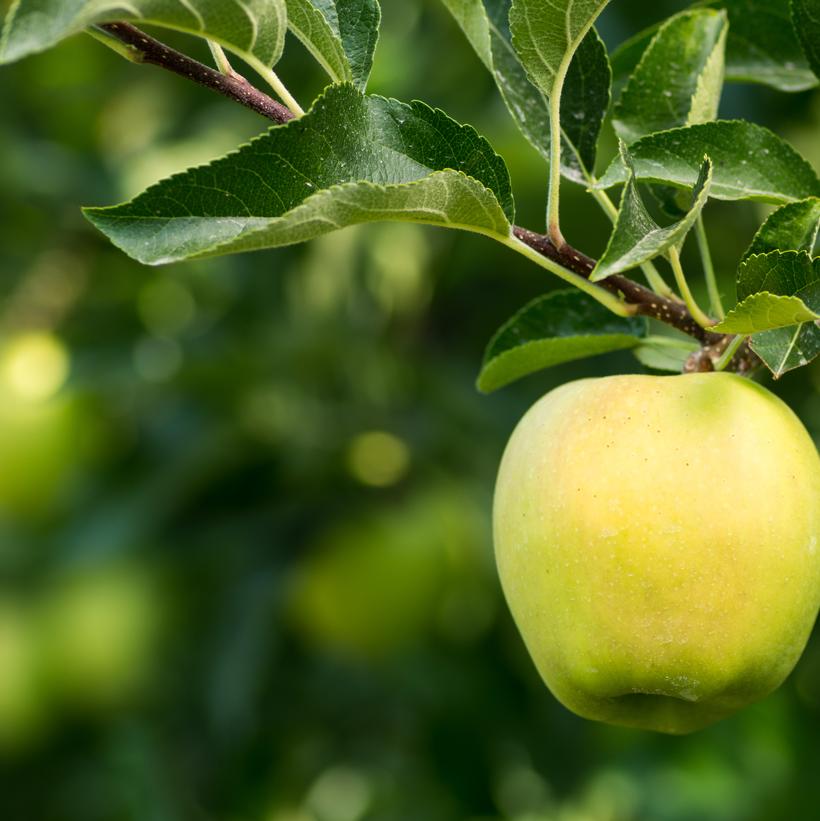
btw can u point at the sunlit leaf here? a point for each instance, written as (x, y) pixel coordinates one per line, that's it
(765, 312)
(471, 15)
(780, 306)
(351, 159)
(781, 272)
(679, 78)
(750, 162)
(547, 35)
(586, 90)
(762, 46)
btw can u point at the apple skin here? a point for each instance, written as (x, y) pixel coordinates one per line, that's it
(657, 542)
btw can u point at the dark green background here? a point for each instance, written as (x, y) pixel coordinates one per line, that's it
(206, 611)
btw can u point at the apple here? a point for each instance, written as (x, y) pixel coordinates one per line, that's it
(25, 713)
(48, 435)
(99, 630)
(657, 542)
(371, 586)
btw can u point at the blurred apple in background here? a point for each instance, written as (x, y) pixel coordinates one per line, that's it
(84, 643)
(99, 628)
(24, 706)
(46, 433)
(371, 586)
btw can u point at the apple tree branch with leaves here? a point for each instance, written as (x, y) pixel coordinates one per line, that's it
(355, 158)
(350, 158)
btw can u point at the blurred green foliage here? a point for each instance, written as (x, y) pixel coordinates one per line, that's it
(245, 548)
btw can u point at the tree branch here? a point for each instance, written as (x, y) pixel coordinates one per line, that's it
(648, 303)
(145, 49)
(671, 312)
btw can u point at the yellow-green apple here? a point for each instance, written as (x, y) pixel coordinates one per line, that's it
(657, 542)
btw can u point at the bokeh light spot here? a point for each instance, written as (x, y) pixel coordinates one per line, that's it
(378, 459)
(35, 366)
(340, 794)
(290, 815)
(166, 307)
(157, 360)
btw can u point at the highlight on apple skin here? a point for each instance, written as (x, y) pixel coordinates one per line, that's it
(657, 542)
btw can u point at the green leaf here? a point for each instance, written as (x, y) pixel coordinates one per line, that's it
(340, 34)
(761, 48)
(446, 198)
(351, 159)
(706, 98)
(471, 15)
(791, 227)
(785, 349)
(661, 353)
(750, 162)
(637, 238)
(586, 93)
(627, 55)
(584, 103)
(780, 293)
(546, 36)
(791, 273)
(253, 29)
(528, 106)
(764, 312)
(562, 55)
(679, 78)
(806, 17)
(560, 327)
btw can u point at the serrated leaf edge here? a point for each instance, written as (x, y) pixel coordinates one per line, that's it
(748, 255)
(617, 165)
(798, 305)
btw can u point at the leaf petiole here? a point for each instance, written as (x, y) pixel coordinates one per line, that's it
(683, 286)
(608, 300)
(729, 354)
(221, 59)
(554, 202)
(603, 199)
(271, 78)
(709, 269)
(671, 342)
(130, 53)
